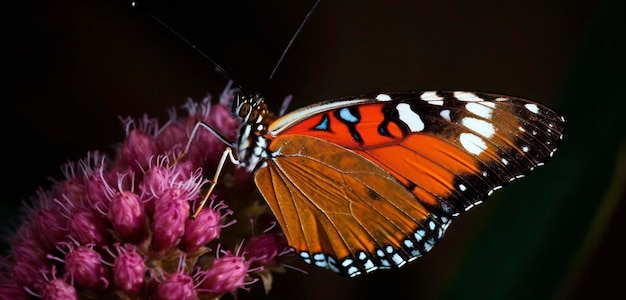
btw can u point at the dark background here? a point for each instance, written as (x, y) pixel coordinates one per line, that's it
(70, 68)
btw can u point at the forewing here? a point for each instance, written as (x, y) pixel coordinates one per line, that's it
(450, 149)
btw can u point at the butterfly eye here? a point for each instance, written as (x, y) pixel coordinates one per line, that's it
(254, 114)
(244, 110)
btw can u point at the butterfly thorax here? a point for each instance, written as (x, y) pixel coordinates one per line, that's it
(252, 139)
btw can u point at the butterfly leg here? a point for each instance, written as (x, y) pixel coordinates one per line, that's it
(208, 127)
(228, 153)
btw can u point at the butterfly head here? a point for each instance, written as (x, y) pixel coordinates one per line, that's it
(250, 108)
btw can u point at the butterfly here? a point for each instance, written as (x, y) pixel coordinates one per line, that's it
(373, 181)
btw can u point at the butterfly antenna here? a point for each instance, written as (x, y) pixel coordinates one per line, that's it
(293, 38)
(219, 68)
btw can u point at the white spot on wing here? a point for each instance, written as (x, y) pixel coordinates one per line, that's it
(431, 225)
(482, 127)
(532, 107)
(489, 104)
(445, 114)
(397, 259)
(479, 109)
(472, 143)
(346, 262)
(321, 264)
(353, 272)
(465, 96)
(383, 97)
(369, 266)
(436, 102)
(409, 117)
(428, 246)
(430, 96)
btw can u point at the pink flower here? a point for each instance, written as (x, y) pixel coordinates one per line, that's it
(26, 273)
(137, 150)
(266, 248)
(206, 227)
(176, 286)
(92, 169)
(227, 274)
(49, 227)
(127, 216)
(29, 250)
(170, 213)
(85, 265)
(120, 227)
(129, 270)
(58, 289)
(88, 226)
(10, 289)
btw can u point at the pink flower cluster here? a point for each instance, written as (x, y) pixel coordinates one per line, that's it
(120, 227)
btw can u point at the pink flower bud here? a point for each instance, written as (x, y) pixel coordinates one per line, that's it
(157, 180)
(88, 227)
(137, 150)
(85, 265)
(221, 118)
(171, 211)
(58, 289)
(11, 290)
(264, 249)
(176, 286)
(29, 250)
(96, 188)
(49, 227)
(72, 189)
(227, 274)
(127, 216)
(205, 228)
(129, 272)
(172, 134)
(27, 273)
(161, 177)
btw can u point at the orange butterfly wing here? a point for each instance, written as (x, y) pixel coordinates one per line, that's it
(333, 203)
(371, 182)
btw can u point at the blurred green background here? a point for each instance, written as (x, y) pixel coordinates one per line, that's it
(72, 67)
